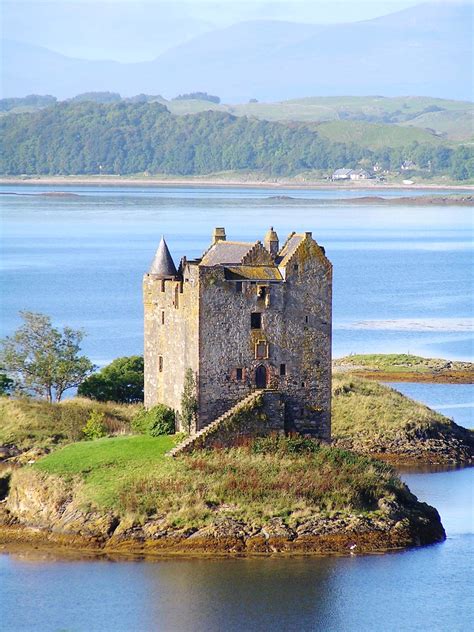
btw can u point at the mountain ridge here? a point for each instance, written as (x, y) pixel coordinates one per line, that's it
(417, 50)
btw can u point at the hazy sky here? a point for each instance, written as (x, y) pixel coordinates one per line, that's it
(135, 30)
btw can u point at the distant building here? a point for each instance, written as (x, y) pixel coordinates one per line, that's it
(360, 174)
(408, 165)
(342, 174)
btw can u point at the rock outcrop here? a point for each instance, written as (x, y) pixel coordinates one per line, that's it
(40, 510)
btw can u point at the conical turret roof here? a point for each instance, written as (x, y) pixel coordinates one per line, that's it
(163, 265)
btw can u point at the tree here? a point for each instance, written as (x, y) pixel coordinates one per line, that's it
(7, 385)
(189, 403)
(44, 360)
(120, 381)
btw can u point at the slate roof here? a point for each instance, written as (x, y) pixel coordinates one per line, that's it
(253, 273)
(226, 252)
(163, 264)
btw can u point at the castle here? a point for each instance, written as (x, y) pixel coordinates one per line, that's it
(244, 316)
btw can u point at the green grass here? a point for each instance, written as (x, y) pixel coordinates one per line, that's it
(401, 362)
(362, 408)
(374, 135)
(131, 476)
(28, 423)
(106, 465)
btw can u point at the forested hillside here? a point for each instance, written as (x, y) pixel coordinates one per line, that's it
(130, 138)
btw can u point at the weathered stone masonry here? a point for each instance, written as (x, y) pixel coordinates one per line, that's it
(243, 316)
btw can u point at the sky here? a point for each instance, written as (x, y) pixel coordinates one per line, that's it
(138, 30)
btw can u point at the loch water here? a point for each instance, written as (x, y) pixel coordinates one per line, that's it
(403, 281)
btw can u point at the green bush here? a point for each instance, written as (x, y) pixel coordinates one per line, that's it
(159, 420)
(94, 428)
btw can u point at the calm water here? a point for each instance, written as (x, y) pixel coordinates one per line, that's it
(403, 281)
(402, 275)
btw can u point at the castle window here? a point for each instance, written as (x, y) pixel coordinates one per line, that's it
(261, 291)
(282, 369)
(239, 374)
(238, 286)
(295, 267)
(306, 319)
(162, 316)
(303, 384)
(256, 320)
(160, 364)
(162, 286)
(176, 297)
(261, 350)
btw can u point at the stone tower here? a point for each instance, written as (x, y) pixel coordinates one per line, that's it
(244, 316)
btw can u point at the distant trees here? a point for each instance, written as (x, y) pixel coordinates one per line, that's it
(198, 96)
(32, 100)
(42, 359)
(97, 97)
(124, 138)
(120, 381)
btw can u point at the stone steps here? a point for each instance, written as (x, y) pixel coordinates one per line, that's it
(214, 425)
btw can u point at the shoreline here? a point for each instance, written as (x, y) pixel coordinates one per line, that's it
(414, 377)
(199, 182)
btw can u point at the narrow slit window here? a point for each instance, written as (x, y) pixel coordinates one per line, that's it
(239, 374)
(162, 316)
(162, 286)
(160, 364)
(238, 287)
(282, 370)
(306, 319)
(295, 267)
(256, 320)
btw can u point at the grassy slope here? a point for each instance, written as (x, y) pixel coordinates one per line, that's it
(132, 477)
(374, 135)
(364, 408)
(455, 124)
(35, 424)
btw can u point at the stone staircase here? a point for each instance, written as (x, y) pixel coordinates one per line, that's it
(187, 444)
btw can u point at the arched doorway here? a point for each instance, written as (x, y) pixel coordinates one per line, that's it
(261, 376)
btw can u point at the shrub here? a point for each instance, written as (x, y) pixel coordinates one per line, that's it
(94, 428)
(159, 420)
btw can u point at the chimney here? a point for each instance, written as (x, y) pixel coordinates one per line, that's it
(218, 235)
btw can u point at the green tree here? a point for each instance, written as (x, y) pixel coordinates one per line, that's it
(120, 381)
(189, 403)
(44, 360)
(6, 385)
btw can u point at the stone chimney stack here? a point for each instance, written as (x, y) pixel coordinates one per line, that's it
(271, 242)
(218, 235)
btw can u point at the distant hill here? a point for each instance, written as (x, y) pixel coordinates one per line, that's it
(86, 137)
(422, 50)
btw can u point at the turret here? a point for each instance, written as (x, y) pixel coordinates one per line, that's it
(163, 266)
(271, 242)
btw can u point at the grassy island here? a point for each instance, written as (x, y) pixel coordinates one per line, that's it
(403, 367)
(271, 495)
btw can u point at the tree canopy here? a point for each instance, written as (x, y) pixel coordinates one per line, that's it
(129, 138)
(120, 381)
(42, 359)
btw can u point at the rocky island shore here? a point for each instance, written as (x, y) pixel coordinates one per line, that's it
(274, 496)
